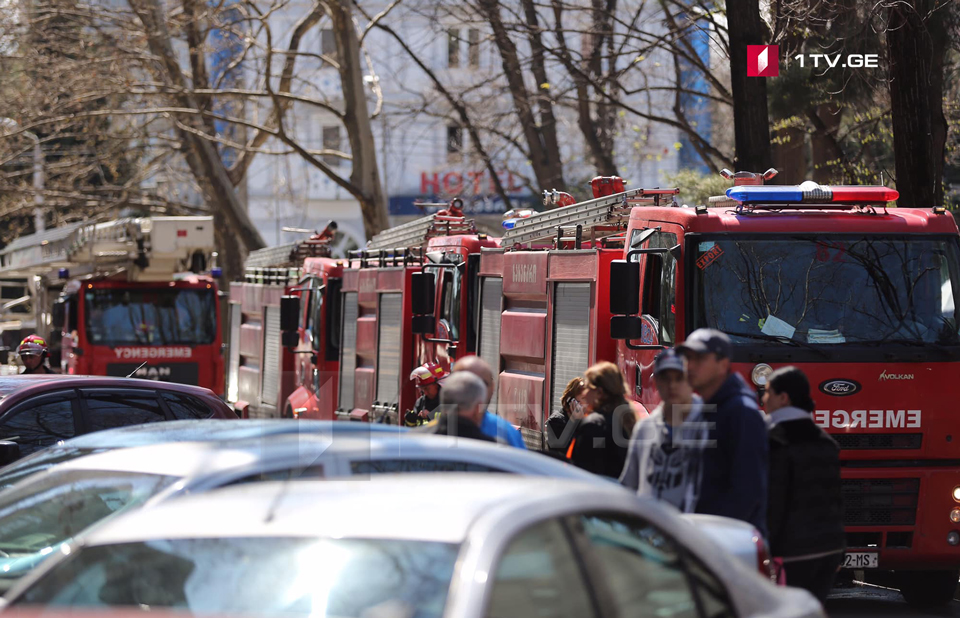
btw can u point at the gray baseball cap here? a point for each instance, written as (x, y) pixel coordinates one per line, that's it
(666, 360)
(707, 341)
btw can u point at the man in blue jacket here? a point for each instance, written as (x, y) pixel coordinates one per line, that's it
(735, 460)
(493, 425)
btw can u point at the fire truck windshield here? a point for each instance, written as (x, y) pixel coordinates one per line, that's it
(149, 316)
(829, 291)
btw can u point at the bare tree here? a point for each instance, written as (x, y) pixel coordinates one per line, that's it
(146, 69)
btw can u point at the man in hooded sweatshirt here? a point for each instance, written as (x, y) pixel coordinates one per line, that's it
(665, 457)
(735, 464)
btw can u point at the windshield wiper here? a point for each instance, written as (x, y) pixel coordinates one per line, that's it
(779, 339)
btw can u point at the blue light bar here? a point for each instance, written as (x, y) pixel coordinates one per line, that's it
(812, 193)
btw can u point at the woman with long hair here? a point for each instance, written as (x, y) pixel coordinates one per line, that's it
(562, 424)
(600, 444)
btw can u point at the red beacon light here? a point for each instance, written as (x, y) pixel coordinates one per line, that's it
(812, 193)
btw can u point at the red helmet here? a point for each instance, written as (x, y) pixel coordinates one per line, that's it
(428, 373)
(33, 345)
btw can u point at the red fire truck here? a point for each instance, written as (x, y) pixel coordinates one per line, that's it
(861, 297)
(858, 295)
(267, 376)
(385, 333)
(126, 296)
(543, 301)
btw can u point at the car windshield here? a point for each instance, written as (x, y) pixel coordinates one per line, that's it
(41, 513)
(158, 316)
(256, 577)
(40, 461)
(829, 291)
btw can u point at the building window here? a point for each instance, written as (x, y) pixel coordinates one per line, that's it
(473, 39)
(454, 143)
(328, 44)
(453, 48)
(331, 141)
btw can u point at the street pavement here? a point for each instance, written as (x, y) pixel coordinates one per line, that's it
(863, 600)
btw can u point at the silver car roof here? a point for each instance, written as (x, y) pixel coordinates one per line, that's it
(218, 429)
(186, 459)
(438, 507)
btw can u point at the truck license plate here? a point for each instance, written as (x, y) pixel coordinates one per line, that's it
(860, 560)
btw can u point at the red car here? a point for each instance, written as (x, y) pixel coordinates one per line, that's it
(39, 410)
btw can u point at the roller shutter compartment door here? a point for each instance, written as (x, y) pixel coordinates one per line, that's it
(388, 348)
(571, 336)
(270, 368)
(491, 295)
(348, 351)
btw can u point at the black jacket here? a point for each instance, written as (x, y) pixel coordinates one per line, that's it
(805, 510)
(560, 432)
(595, 449)
(735, 460)
(462, 428)
(42, 369)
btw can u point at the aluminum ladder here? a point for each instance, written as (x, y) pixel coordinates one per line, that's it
(608, 210)
(416, 232)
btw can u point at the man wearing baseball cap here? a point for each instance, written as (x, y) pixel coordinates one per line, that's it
(735, 466)
(665, 458)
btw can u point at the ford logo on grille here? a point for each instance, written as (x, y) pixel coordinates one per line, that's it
(840, 388)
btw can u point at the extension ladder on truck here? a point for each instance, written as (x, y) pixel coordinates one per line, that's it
(417, 232)
(609, 211)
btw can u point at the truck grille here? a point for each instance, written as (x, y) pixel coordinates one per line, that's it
(854, 441)
(878, 502)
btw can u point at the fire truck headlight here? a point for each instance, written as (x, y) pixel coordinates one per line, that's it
(760, 374)
(956, 494)
(953, 538)
(955, 515)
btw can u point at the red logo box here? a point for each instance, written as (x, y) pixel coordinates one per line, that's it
(763, 60)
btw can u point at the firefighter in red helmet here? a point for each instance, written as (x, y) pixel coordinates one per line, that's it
(427, 378)
(34, 353)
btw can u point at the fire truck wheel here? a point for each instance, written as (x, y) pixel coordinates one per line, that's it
(928, 589)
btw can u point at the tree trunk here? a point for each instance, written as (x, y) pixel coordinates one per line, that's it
(829, 160)
(365, 174)
(916, 44)
(546, 164)
(751, 123)
(201, 154)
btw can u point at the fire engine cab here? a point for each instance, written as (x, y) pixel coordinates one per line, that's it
(406, 300)
(127, 295)
(863, 298)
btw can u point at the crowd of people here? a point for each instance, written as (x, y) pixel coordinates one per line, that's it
(708, 447)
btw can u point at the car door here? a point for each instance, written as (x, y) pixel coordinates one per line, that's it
(41, 421)
(106, 408)
(639, 570)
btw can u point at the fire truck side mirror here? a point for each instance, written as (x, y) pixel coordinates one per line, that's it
(624, 287)
(423, 324)
(422, 289)
(625, 327)
(58, 315)
(289, 313)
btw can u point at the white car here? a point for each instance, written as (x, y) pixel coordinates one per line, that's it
(40, 513)
(433, 546)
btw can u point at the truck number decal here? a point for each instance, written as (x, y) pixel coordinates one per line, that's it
(524, 273)
(823, 251)
(867, 419)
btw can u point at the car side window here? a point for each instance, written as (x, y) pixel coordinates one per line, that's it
(539, 575)
(643, 571)
(38, 423)
(105, 410)
(309, 473)
(389, 466)
(186, 407)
